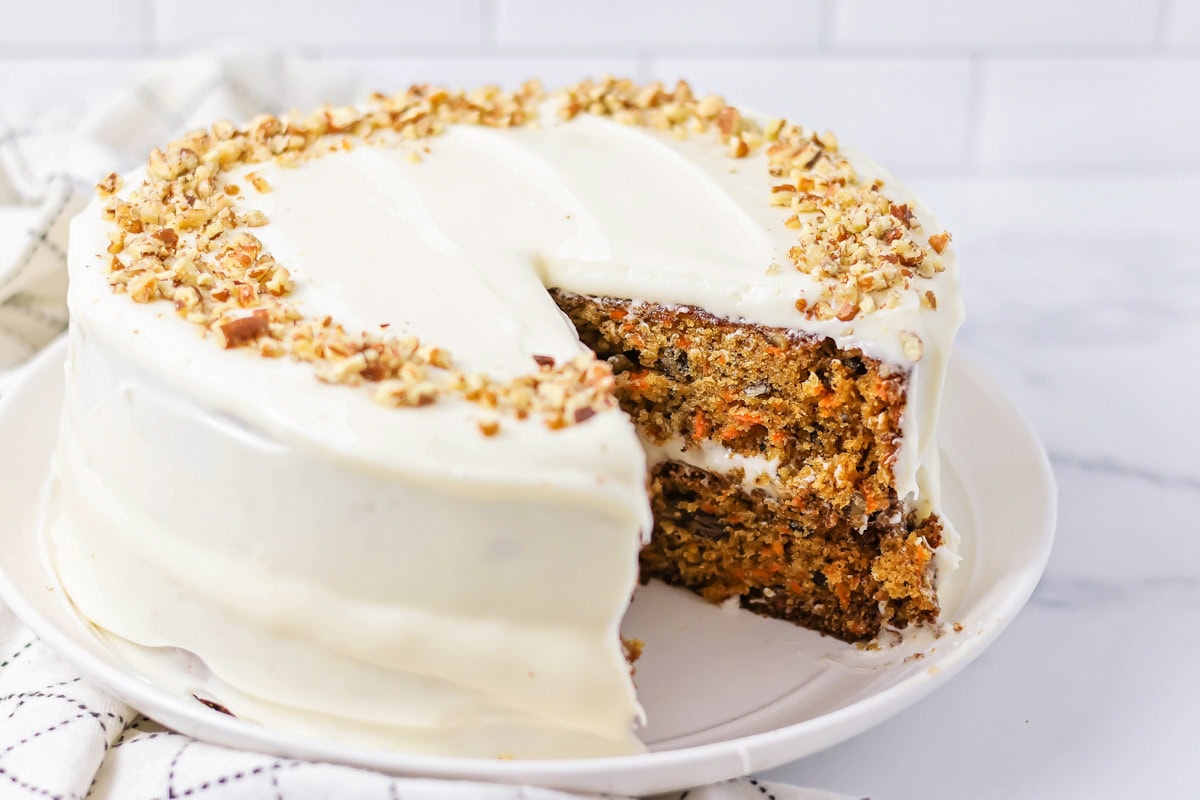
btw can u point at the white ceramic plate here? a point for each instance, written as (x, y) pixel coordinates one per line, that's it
(727, 693)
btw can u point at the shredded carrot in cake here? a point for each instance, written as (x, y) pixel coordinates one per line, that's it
(832, 549)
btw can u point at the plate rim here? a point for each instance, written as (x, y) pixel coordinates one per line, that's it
(746, 751)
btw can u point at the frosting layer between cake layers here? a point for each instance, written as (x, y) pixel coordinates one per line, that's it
(397, 576)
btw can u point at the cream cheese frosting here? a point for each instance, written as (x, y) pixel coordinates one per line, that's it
(398, 577)
(758, 472)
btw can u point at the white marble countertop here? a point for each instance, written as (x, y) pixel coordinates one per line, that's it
(1084, 303)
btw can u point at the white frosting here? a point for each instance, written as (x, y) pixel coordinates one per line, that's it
(391, 574)
(758, 472)
(368, 591)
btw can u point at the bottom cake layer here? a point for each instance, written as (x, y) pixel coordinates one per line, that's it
(717, 539)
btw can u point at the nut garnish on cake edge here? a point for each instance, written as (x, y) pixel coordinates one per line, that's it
(179, 237)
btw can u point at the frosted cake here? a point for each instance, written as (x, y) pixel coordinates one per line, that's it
(380, 412)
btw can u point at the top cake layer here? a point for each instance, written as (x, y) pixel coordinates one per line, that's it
(481, 201)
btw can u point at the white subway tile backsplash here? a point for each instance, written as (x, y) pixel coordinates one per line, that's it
(627, 25)
(1059, 209)
(109, 23)
(904, 112)
(930, 87)
(1181, 23)
(959, 24)
(1102, 114)
(395, 74)
(309, 23)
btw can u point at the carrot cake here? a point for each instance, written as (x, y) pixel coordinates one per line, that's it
(380, 412)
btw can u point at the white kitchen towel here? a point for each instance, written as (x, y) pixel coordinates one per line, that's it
(60, 736)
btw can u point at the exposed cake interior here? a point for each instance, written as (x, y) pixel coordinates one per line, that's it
(770, 466)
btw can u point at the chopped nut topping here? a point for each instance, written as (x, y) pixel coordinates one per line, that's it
(239, 330)
(729, 121)
(179, 237)
(258, 182)
(116, 241)
(771, 132)
(144, 287)
(397, 393)
(913, 347)
(270, 348)
(677, 112)
(186, 298)
(109, 186)
(853, 239)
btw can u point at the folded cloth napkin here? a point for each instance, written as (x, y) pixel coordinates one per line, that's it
(60, 736)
